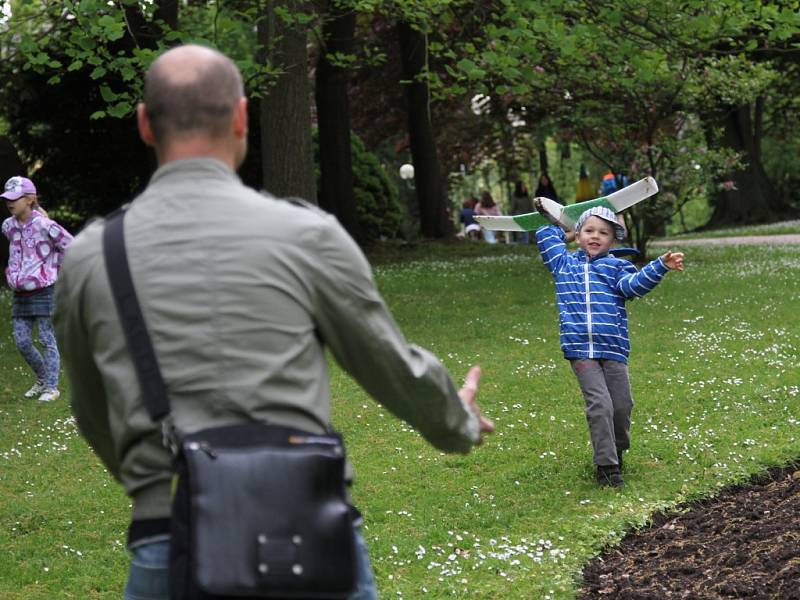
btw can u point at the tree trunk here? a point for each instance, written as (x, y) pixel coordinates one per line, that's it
(286, 150)
(543, 166)
(433, 213)
(333, 119)
(752, 198)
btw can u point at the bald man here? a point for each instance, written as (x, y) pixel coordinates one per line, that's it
(241, 293)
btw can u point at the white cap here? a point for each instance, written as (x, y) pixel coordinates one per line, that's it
(605, 214)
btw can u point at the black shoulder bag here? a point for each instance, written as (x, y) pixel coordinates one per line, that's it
(259, 510)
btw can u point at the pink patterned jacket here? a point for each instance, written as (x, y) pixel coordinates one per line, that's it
(35, 252)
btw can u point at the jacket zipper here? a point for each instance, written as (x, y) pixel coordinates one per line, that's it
(588, 307)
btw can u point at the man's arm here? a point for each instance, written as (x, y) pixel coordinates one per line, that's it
(88, 397)
(408, 380)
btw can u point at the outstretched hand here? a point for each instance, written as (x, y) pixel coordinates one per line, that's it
(540, 208)
(673, 260)
(469, 394)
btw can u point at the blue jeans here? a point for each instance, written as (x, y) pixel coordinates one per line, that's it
(148, 578)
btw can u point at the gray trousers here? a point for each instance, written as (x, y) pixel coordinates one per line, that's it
(607, 397)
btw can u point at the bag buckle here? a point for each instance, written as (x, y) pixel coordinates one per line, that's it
(169, 436)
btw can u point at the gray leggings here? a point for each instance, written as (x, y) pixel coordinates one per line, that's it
(607, 396)
(45, 364)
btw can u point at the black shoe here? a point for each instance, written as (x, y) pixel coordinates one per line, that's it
(609, 475)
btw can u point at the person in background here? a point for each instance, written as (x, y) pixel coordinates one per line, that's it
(521, 204)
(545, 189)
(487, 207)
(584, 190)
(242, 294)
(608, 185)
(470, 229)
(36, 247)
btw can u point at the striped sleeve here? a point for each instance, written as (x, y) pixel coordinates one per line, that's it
(634, 284)
(552, 246)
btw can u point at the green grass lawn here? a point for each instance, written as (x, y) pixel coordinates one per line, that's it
(780, 228)
(714, 369)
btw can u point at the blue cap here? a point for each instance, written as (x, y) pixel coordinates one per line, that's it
(605, 214)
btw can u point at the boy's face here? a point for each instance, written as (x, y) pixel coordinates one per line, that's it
(596, 236)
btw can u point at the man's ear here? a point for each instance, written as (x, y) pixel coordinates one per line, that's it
(143, 122)
(240, 118)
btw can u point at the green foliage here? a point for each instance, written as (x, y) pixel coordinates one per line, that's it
(67, 217)
(380, 214)
(70, 84)
(731, 80)
(88, 166)
(687, 168)
(621, 79)
(95, 37)
(782, 162)
(378, 208)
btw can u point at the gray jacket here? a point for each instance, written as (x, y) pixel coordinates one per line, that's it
(241, 294)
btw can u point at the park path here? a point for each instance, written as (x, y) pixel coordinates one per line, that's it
(754, 240)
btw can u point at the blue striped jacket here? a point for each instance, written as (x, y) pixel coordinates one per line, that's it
(591, 295)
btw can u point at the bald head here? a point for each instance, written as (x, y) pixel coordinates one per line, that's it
(191, 91)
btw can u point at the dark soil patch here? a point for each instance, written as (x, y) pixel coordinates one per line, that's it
(744, 543)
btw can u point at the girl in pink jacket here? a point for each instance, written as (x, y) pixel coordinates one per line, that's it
(36, 247)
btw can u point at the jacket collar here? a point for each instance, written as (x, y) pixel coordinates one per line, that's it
(582, 256)
(196, 165)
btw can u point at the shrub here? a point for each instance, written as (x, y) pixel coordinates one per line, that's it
(378, 207)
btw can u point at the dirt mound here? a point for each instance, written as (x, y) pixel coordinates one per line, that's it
(745, 543)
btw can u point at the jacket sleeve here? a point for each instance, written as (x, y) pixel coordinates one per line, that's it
(88, 396)
(634, 284)
(61, 237)
(355, 323)
(552, 246)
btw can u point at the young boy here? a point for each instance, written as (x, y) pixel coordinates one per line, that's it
(591, 289)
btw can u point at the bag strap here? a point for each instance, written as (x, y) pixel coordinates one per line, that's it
(154, 391)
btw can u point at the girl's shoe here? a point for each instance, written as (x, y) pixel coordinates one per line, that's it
(49, 395)
(36, 390)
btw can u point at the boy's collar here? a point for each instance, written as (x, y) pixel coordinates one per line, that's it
(581, 253)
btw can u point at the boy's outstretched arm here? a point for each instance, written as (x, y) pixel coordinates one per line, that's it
(673, 260)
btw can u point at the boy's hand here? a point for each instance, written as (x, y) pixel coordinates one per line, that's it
(673, 260)
(540, 208)
(621, 221)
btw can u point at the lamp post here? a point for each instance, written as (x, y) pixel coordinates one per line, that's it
(407, 172)
(409, 197)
